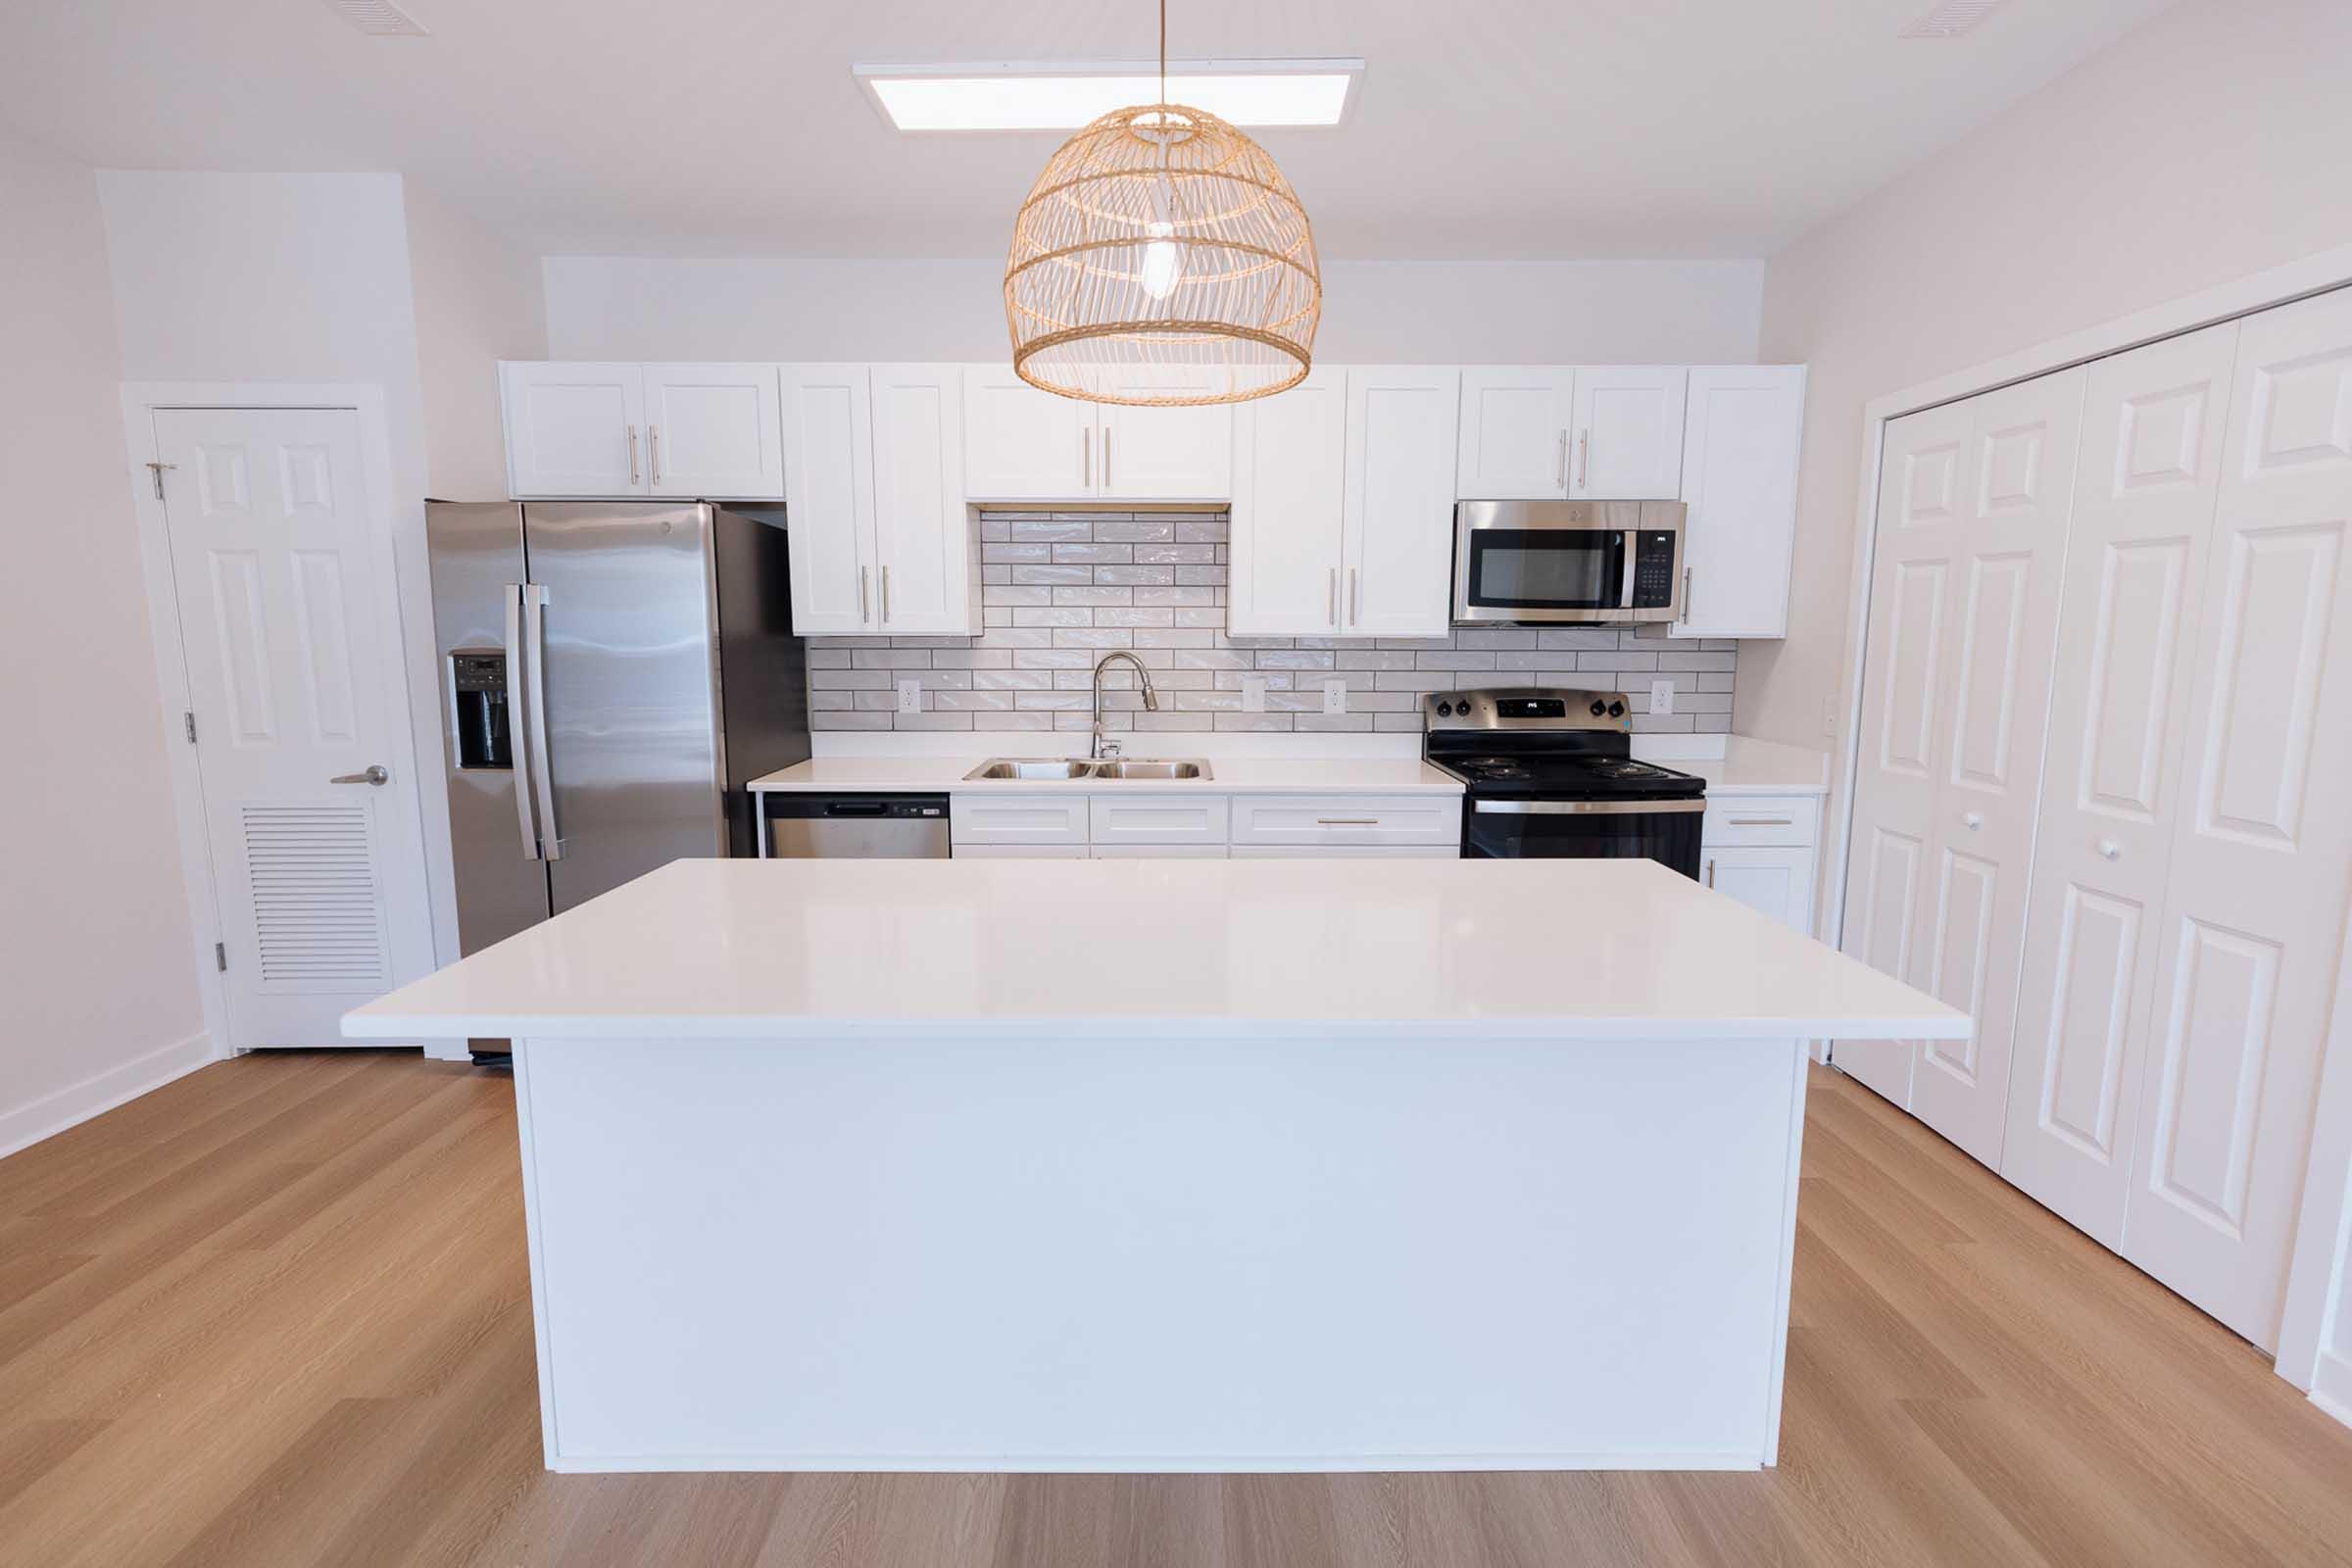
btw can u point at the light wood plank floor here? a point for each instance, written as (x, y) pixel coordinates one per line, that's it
(276, 1314)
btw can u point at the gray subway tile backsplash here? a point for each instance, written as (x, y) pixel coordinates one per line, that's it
(1059, 589)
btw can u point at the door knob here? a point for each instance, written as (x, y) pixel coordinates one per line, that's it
(2109, 848)
(375, 774)
(1971, 820)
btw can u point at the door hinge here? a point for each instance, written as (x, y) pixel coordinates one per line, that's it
(157, 469)
(220, 956)
(188, 722)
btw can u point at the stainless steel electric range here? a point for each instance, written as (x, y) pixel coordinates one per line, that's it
(1548, 771)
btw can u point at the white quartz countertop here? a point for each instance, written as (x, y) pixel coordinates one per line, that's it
(1755, 767)
(1122, 949)
(1370, 775)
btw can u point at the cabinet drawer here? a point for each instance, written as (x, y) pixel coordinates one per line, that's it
(1158, 852)
(1171, 819)
(1020, 852)
(1366, 819)
(1762, 819)
(1347, 852)
(1006, 818)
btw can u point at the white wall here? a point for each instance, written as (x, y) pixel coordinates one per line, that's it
(650, 308)
(2207, 145)
(96, 958)
(479, 300)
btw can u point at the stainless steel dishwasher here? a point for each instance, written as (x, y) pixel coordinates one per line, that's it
(854, 827)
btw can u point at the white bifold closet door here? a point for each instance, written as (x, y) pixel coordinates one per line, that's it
(1973, 502)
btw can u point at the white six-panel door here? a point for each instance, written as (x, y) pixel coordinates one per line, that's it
(1905, 706)
(2145, 499)
(317, 871)
(2001, 608)
(2253, 916)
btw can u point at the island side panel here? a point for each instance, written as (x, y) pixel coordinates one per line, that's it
(1164, 1256)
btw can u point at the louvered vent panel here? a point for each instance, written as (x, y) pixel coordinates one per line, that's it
(317, 913)
(378, 18)
(1951, 18)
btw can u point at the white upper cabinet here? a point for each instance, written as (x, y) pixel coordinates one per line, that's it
(829, 499)
(1399, 508)
(1166, 454)
(1514, 432)
(1628, 443)
(1741, 440)
(711, 430)
(588, 429)
(924, 574)
(573, 429)
(1021, 444)
(1027, 445)
(1290, 474)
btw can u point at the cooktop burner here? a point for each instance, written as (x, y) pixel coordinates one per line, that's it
(1544, 742)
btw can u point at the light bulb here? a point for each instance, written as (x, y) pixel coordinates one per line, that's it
(1163, 261)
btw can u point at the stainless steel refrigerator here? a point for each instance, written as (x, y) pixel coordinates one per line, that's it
(612, 673)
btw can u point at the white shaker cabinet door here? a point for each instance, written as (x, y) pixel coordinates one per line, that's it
(829, 499)
(1743, 433)
(923, 543)
(1172, 453)
(1401, 429)
(1514, 432)
(573, 429)
(2251, 929)
(1021, 444)
(1290, 460)
(1774, 882)
(1628, 441)
(2133, 587)
(712, 432)
(2002, 610)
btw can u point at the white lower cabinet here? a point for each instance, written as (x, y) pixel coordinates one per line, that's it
(1335, 821)
(1019, 852)
(1003, 817)
(1169, 818)
(1183, 823)
(1346, 851)
(1158, 852)
(1778, 883)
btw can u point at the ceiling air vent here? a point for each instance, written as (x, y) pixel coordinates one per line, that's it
(378, 18)
(1951, 18)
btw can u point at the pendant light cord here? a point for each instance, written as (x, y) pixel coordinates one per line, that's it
(1163, 52)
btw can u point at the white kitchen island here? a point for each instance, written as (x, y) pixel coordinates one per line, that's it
(1159, 1165)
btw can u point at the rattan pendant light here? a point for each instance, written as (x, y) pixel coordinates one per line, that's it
(1160, 239)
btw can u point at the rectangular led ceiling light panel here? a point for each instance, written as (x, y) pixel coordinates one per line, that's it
(1013, 95)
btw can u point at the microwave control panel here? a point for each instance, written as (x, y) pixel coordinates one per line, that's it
(1653, 569)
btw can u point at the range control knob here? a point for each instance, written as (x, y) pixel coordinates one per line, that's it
(1445, 708)
(1598, 707)
(1616, 710)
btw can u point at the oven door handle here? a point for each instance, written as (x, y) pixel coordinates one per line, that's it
(1697, 802)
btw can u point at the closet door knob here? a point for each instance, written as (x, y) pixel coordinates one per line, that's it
(1971, 820)
(2109, 849)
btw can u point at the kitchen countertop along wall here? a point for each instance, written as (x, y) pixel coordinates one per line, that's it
(1059, 589)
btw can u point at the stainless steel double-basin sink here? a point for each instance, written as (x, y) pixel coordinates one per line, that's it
(1159, 770)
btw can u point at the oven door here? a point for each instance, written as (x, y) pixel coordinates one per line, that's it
(1665, 831)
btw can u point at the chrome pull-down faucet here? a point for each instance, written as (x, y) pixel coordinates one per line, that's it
(1102, 748)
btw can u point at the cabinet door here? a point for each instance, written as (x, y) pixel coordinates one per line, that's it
(2001, 605)
(1289, 468)
(2252, 924)
(1629, 432)
(1400, 514)
(2133, 587)
(712, 432)
(1774, 882)
(924, 576)
(829, 498)
(1021, 444)
(1166, 454)
(1514, 432)
(1742, 435)
(573, 429)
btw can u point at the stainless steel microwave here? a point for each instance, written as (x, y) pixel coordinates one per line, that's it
(1596, 562)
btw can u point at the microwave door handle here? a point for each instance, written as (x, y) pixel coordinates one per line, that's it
(1631, 552)
(520, 744)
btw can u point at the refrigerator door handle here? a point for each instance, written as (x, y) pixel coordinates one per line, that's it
(514, 593)
(534, 622)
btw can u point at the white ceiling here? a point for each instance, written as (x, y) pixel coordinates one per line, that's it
(1482, 128)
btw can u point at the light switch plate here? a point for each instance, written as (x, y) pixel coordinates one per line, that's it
(911, 695)
(1334, 696)
(1661, 696)
(1253, 694)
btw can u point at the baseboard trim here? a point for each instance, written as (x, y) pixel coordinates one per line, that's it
(2331, 1386)
(76, 1104)
(1153, 1464)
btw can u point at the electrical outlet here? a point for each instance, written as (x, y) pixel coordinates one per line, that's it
(1661, 696)
(1253, 694)
(1334, 696)
(911, 695)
